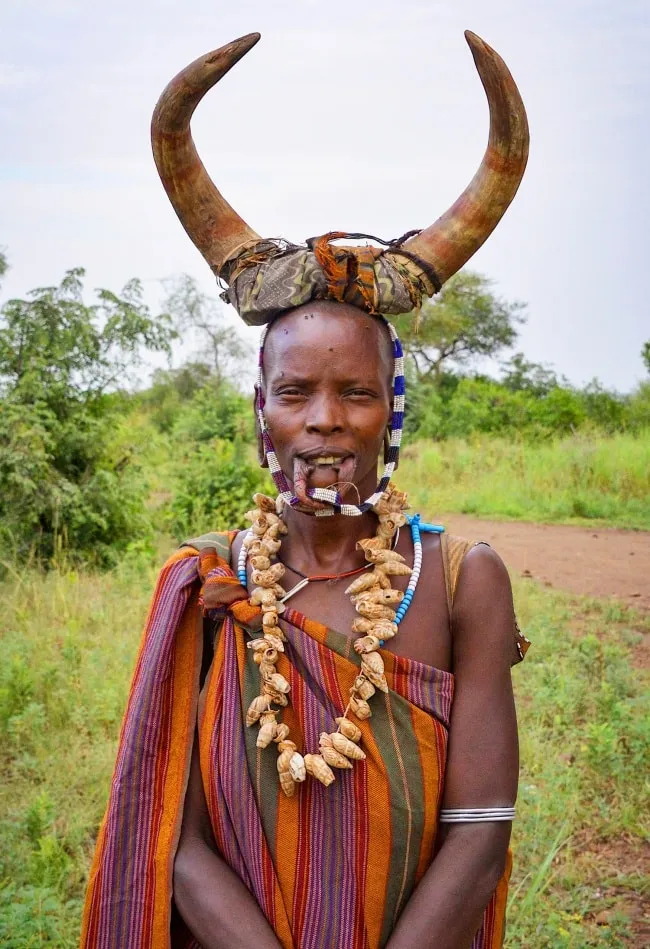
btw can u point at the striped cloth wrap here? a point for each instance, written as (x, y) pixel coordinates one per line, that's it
(331, 868)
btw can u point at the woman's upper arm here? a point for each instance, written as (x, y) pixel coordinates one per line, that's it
(483, 758)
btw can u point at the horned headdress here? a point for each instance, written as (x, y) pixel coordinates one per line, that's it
(268, 276)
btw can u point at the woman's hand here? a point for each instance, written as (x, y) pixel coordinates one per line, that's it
(214, 903)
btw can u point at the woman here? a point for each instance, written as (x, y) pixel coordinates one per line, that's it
(320, 745)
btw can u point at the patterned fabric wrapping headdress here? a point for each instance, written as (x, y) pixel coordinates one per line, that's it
(266, 277)
(271, 276)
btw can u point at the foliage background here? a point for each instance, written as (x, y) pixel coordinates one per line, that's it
(100, 477)
(92, 464)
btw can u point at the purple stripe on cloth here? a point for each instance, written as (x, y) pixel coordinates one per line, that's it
(229, 759)
(478, 942)
(130, 814)
(235, 794)
(429, 688)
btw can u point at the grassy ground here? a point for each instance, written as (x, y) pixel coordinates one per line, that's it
(68, 643)
(585, 478)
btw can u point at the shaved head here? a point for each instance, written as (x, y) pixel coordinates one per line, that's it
(368, 333)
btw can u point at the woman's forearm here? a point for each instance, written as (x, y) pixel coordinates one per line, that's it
(214, 903)
(445, 910)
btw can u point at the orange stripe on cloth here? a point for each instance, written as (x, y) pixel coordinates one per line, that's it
(500, 899)
(174, 780)
(170, 780)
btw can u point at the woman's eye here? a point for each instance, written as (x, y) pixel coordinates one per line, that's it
(289, 392)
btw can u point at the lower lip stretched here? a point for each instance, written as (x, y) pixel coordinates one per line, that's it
(343, 470)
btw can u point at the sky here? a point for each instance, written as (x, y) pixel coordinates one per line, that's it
(357, 116)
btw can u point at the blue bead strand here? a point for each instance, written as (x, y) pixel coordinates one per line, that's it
(417, 527)
(242, 574)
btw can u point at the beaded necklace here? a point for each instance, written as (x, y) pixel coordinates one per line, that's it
(373, 598)
(320, 578)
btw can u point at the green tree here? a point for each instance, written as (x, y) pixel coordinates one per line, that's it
(463, 321)
(222, 348)
(521, 375)
(645, 355)
(61, 362)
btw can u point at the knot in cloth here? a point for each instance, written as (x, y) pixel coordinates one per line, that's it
(221, 591)
(267, 277)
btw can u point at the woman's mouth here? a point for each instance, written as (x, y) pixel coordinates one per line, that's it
(327, 461)
(321, 471)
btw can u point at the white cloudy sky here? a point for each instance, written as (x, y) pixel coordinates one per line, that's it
(352, 116)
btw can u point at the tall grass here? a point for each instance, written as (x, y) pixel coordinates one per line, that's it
(584, 800)
(68, 644)
(586, 477)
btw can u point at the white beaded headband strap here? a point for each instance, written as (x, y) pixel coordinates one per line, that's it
(328, 495)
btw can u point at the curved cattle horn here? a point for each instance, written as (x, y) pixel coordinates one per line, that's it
(451, 241)
(215, 228)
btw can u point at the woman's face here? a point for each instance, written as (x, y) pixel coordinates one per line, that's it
(328, 371)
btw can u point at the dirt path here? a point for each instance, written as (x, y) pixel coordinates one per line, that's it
(610, 563)
(604, 562)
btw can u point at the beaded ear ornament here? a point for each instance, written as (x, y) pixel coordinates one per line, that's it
(374, 600)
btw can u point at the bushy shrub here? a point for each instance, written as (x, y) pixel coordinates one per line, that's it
(483, 405)
(638, 409)
(60, 360)
(170, 389)
(459, 407)
(61, 492)
(608, 411)
(216, 410)
(561, 411)
(214, 488)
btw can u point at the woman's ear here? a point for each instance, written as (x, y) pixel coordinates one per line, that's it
(387, 436)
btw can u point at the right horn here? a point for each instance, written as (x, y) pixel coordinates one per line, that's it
(449, 243)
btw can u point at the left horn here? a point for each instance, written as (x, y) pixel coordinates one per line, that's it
(214, 227)
(449, 243)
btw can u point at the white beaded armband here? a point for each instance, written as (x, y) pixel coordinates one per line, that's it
(476, 815)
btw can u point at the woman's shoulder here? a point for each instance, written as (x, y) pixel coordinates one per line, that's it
(481, 594)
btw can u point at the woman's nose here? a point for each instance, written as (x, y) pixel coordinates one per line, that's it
(325, 416)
